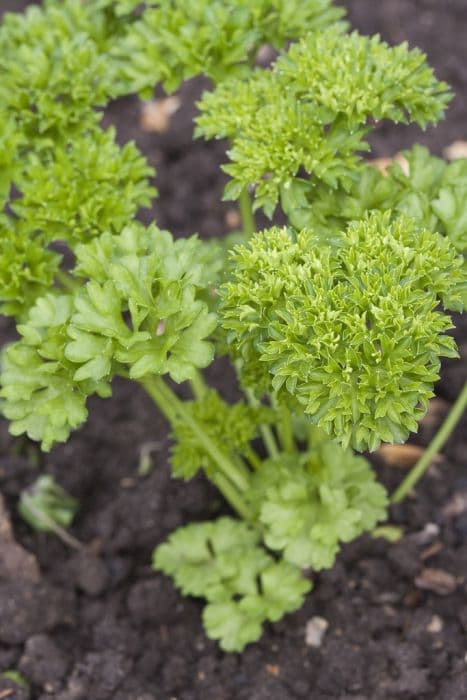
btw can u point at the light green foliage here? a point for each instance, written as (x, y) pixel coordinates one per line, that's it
(429, 190)
(139, 314)
(309, 503)
(223, 562)
(433, 192)
(334, 323)
(311, 112)
(351, 331)
(46, 504)
(27, 268)
(10, 141)
(75, 181)
(120, 7)
(179, 39)
(56, 65)
(232, 426)
(41, 396)
(84, 188)
(140, 307)
(39, 52)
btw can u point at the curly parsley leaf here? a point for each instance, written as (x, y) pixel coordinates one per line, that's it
(351, 331)
(312, 111)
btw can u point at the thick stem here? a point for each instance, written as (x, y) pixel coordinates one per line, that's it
(246, 210)
(316, 437)
(253, 458)
(166, 407)
(435, 446)
(66, 280)
(169, 403)
(285, 426)
(265, 430)
(232, 496)
(198, 385)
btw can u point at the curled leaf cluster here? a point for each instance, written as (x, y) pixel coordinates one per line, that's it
(140, 307)
(84, 188)
(27, 267)
(62, 177)
(175, 41)
(233, 426)
(429, 190)
(223, 562)
(352, 331)
(311, 112)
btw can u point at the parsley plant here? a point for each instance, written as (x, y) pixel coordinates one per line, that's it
(335, 322)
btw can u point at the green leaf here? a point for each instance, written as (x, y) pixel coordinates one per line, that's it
(84, 187)
(27, 267)
(46, 504)
(174, 40)
(204, 558)
(231, 426)
(15, 677)
(310, 113)
(309, 504)
(223, 562)
(283, 588)
(234, 624)
(143, 296)
(41, 396)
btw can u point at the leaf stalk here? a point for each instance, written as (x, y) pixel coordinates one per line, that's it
(434, 447)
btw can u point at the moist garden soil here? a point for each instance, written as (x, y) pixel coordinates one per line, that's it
(99, 624)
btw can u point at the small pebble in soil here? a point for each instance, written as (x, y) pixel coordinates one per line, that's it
(232, 219)
(435, 625)
(156, 115)
(436, 581)
(316, 628)
(455, 150)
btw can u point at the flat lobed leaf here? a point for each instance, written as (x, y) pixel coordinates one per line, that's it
(223, 562)
(308, 504)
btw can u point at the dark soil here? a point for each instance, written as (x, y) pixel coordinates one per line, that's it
(103, 626)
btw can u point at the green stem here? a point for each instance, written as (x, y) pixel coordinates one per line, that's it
(231, 495)
(316, 437)
(198, 385)
(246, 210)
(57, 529)
(434, 447)
(265, 430)
(66, 280)
(285, 426)
(253, 458)
(166, 407)
(172, 406)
